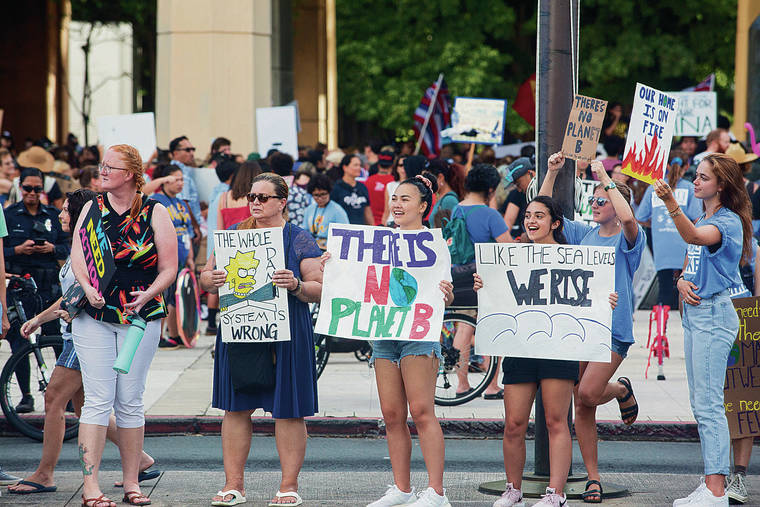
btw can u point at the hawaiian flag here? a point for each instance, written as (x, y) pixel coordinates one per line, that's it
(525, 102)
(440, 118)
(705, 86)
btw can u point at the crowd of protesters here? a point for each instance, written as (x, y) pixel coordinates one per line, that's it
(363, 185)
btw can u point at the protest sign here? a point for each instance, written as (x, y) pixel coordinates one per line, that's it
(484, 118)
(277, 128)
(650, 133)
(585, 214)
(382, 283)
(96, 248)
(697, 113)
(643, 278)
(251, 308)
(584, 125)
(545, 301)
(741, 395)
(138, 130)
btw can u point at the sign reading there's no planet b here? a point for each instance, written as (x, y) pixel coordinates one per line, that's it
(584, 125)
(252, 309)
(383, 283)
(545, 301)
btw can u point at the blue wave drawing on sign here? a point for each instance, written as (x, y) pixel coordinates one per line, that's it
(531, 324)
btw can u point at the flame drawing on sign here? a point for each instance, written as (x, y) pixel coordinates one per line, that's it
(649, 164)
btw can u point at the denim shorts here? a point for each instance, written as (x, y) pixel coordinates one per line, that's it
(396, 350)
(621, 348)
(68, 358)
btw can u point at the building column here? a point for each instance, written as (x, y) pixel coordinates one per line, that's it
(747, 12)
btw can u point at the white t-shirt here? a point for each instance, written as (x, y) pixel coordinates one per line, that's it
(67, 279)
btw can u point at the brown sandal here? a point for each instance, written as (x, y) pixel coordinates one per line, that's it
(134, 498)
(93, 502)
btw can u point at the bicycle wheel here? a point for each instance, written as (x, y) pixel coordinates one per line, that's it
(31, 424)
(480, 370)
(321, 351)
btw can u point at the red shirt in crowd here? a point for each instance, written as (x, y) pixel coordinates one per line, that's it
(376, 186)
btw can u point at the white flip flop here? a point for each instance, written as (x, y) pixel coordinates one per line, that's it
(280, 494)
(237, 498)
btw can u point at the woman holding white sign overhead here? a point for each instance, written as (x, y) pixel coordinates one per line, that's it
(617, 227)
(523, 375)
(718, 242)
(294, 395)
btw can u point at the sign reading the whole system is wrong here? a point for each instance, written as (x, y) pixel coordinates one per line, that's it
(383, 283)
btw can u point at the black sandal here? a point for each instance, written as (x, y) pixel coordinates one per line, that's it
(592, 495)
(633, 410)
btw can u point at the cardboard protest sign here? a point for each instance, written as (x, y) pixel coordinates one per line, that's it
(584, 125)
(382, 283)
(650, 133)
(483, 117)
(585, 214)
(545, 301)
(251, 308)
(741, 395)
(277, 128)
(138, 130)
(643, 278)
(97, 249)
(697, 113)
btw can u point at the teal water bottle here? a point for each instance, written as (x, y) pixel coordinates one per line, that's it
(131, 342)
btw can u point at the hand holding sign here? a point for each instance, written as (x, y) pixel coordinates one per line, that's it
(94, 297)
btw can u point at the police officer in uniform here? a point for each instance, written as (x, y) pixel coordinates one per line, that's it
(34, 245)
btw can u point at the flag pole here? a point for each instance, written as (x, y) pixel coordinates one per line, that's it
(431, 107)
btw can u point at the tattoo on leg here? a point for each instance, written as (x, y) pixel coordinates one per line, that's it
(82, 452)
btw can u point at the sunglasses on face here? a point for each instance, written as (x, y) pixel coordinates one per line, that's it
(31, 188)
(600, 201)
(189, 150)
(261, 197)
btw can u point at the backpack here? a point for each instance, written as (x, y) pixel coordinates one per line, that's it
(461, 247)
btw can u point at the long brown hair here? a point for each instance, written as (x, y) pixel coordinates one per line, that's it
(280, 190)
(734, 195)
(244, 176)
(673, 174)
(134, 166)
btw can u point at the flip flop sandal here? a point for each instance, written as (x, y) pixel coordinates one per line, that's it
(145, 475)
(93, 502)
(38, 488)
(631, 412)
(592, 495)
(135, 498)
(237, 498)
(464, 393)
(280, 494)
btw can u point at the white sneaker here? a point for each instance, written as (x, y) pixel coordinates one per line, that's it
(737, 489)
(510, 498)
(705, 498)
(429, 498)
(394, 496)
(687, 500)
(552, 499)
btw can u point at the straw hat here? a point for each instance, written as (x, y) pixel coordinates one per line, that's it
(736, 152)
(36, 157)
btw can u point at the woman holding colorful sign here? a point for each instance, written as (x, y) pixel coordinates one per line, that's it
(406, 372)
(294, 395)
(141, 236)
(522, 377)
(617, 227)
(718, 242)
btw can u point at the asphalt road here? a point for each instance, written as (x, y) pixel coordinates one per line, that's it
(187, 453)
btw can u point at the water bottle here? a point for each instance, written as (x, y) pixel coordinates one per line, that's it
(131, 342)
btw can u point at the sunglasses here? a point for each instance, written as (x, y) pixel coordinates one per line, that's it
(31, 188)
(108, 169)
(189, 150)
(261, 197)
(600, 201)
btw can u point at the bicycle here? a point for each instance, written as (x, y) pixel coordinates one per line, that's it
(321, 342)
(481, 370)
(44, 350)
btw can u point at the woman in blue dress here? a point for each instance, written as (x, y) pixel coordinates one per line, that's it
(295, 393)
(617, 227)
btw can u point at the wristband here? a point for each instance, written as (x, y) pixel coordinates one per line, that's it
(675, 212)
(298, 288)
(610, 186)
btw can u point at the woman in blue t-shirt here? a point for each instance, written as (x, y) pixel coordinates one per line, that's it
(617, 227)
(718, 242)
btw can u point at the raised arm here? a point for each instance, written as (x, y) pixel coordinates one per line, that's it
(622, 207)
(555, 163)
(705, 235)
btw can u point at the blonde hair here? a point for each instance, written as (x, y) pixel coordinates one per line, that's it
(134, 166)
(280, 189)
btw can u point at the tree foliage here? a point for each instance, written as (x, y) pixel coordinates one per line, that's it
(389, 51)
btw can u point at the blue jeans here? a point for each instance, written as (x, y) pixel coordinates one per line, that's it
(709, 332)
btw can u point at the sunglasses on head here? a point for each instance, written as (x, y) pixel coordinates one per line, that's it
(261, 197)
(31, 188)
(600, 201)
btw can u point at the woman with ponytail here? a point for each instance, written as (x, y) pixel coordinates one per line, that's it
(144, 248)
(718, 242)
